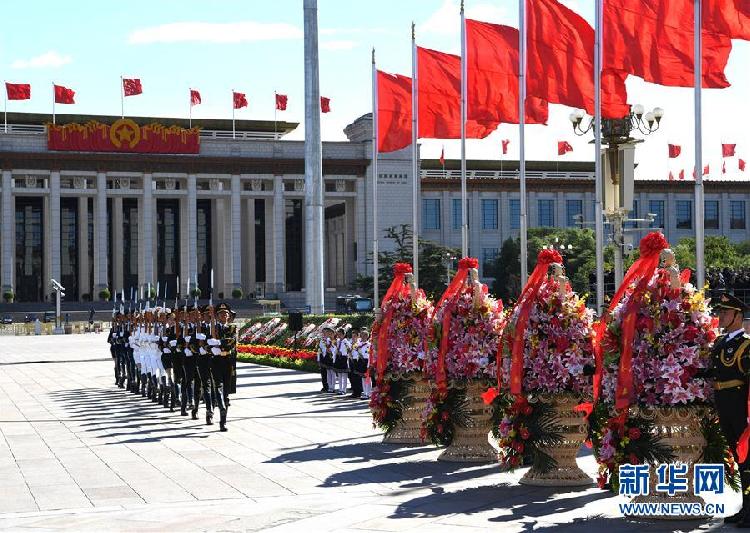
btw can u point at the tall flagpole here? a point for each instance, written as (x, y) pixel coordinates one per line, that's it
(5, 106)
(598, 187)
(375, 259)
(415, 155)
(700, 271)
(521, 136)
(190, 111)
(122, 97)
(53, 102)
(232, 113)
(464, 214)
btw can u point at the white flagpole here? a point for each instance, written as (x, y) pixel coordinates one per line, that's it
(5, 113)
(375, 259)
(190, 111)
(232, 113)
(414, 155)
(464, 214)
(598, 187)
(53, 102)
(700, 271)
(275, 109)
(122, 97)
(521, 136)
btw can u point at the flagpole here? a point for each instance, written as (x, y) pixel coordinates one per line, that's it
(53, 102)
(122, 97)
(464, 214)
(522, 138)
(700, 271)
(598, 185)
(5, 106)
(275, 110)
(190, 110)
(375, 258)
(414, 155)
(232, 113)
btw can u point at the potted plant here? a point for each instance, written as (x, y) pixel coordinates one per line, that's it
(104, 294)
(195, 292)
(9, 296)
(237, 293)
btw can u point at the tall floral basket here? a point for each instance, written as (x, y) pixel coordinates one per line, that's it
(461, 360)
(546, 362)
(400, 391)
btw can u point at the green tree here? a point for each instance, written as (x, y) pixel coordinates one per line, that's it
(719, 252)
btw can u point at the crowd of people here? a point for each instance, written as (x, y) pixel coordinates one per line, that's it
(345, 359)
(177, 358)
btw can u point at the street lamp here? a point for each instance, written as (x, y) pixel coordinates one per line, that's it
(645, 122)
(450, 259)
(58, 295)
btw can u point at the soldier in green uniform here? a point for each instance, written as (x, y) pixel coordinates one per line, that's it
(224, 364)
(730, 359)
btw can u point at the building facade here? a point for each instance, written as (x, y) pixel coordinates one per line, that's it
(120, 221)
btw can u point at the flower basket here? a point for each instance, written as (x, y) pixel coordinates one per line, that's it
(570, 428)
(406, 430)
(470, 443)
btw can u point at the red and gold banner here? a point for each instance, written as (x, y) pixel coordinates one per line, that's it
(123, 136)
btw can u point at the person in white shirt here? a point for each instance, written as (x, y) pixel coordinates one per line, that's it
(342, 346)
(364, 355)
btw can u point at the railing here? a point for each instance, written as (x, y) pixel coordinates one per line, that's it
(39, 129)
(503, 174)
(47, 328)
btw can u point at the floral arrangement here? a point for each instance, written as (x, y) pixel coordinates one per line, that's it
(526, 429)
(274, 333)
(387, 403)
(673, 335)
(274, 351)
(407, 329)
(314, 337)
(300, 335)
(442, 413)
(261, 331)
(557, 342)
(252, 330)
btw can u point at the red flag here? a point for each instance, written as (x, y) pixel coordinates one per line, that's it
(560, 61)
(671, 176)
(195, 97)
(724, 167)
(239, 100)
(18, 91)
(653, 39)
(563, 147)
(442, 157)
(727, 150)
(705, 170)
(281, 102)
(727, 17)
(394, 112)
(63, 95)
(131, 86)
(325, 104)
(674, 150)
(682, 174)
(492, 76)
(741, 165)
(506, 142)
(440, 97)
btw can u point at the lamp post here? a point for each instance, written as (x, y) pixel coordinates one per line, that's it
(449, 259)
(618, 166)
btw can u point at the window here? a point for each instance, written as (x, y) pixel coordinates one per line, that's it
(488, 262)
(737, 214)
(657, 208)
(574, 213)
(711, 214)
(633, 214)
(515, 214)
(684, 210)
(457, 213)
(489, 214)
(546, 213)
(431, 213)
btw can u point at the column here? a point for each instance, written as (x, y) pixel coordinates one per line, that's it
(561, 215)
(8, 215)
(364, 245)
(503, 217)
(235, 278)
(146, 244)
(84, 280)
(100, 235)
(278, 238)
(192, 225)
(221, 246)
(248, 277)
(53, 247)
(117, 252)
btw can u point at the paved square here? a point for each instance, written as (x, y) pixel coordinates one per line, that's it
(78, 453)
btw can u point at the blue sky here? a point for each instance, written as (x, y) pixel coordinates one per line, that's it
(255, 46)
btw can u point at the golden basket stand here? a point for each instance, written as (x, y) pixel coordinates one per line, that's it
(471, 444)
(407, 430)
(573, 428)
(680, 430)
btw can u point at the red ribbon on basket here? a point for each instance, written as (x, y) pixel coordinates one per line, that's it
(744, 440)
(641, 272)
(397, 287)
(448, 296)
(545, 258)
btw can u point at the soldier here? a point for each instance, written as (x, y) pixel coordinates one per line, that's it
(112, 339)
(192, 380)
(730, 359)
(204, 366)
(224, 364)
(178, 360)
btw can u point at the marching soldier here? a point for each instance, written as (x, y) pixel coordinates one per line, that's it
(204, 380)
(224, 363)
(730, 359)
(112, 339)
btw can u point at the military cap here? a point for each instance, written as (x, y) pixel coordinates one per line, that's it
(730, 301)
(223, 306)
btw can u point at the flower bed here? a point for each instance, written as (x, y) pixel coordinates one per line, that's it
(278, 357)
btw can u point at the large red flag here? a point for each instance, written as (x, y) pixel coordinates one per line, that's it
(18, 91)
(674, 150)
(394, 112)
(560, 61)
(195, 97)
(727, 17)
(653, 39)
(727, 150)
(281, 101)
(439, 76)
(239, 100)
(492, 76)
(741, 165)
(563, 147)
(131, 86)
(325, 104)
(63, 95)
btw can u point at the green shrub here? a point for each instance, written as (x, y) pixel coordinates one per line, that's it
(236, 294)
(104, 294)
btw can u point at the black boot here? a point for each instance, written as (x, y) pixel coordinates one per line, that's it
(143, 385)
(209, 418)
(223, 420)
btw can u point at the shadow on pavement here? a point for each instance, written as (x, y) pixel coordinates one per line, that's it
(361, 452)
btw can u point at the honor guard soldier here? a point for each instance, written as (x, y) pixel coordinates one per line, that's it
(221, 343)
(730, 359)
(112, 339)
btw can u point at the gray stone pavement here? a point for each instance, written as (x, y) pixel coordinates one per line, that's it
(78, 453)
